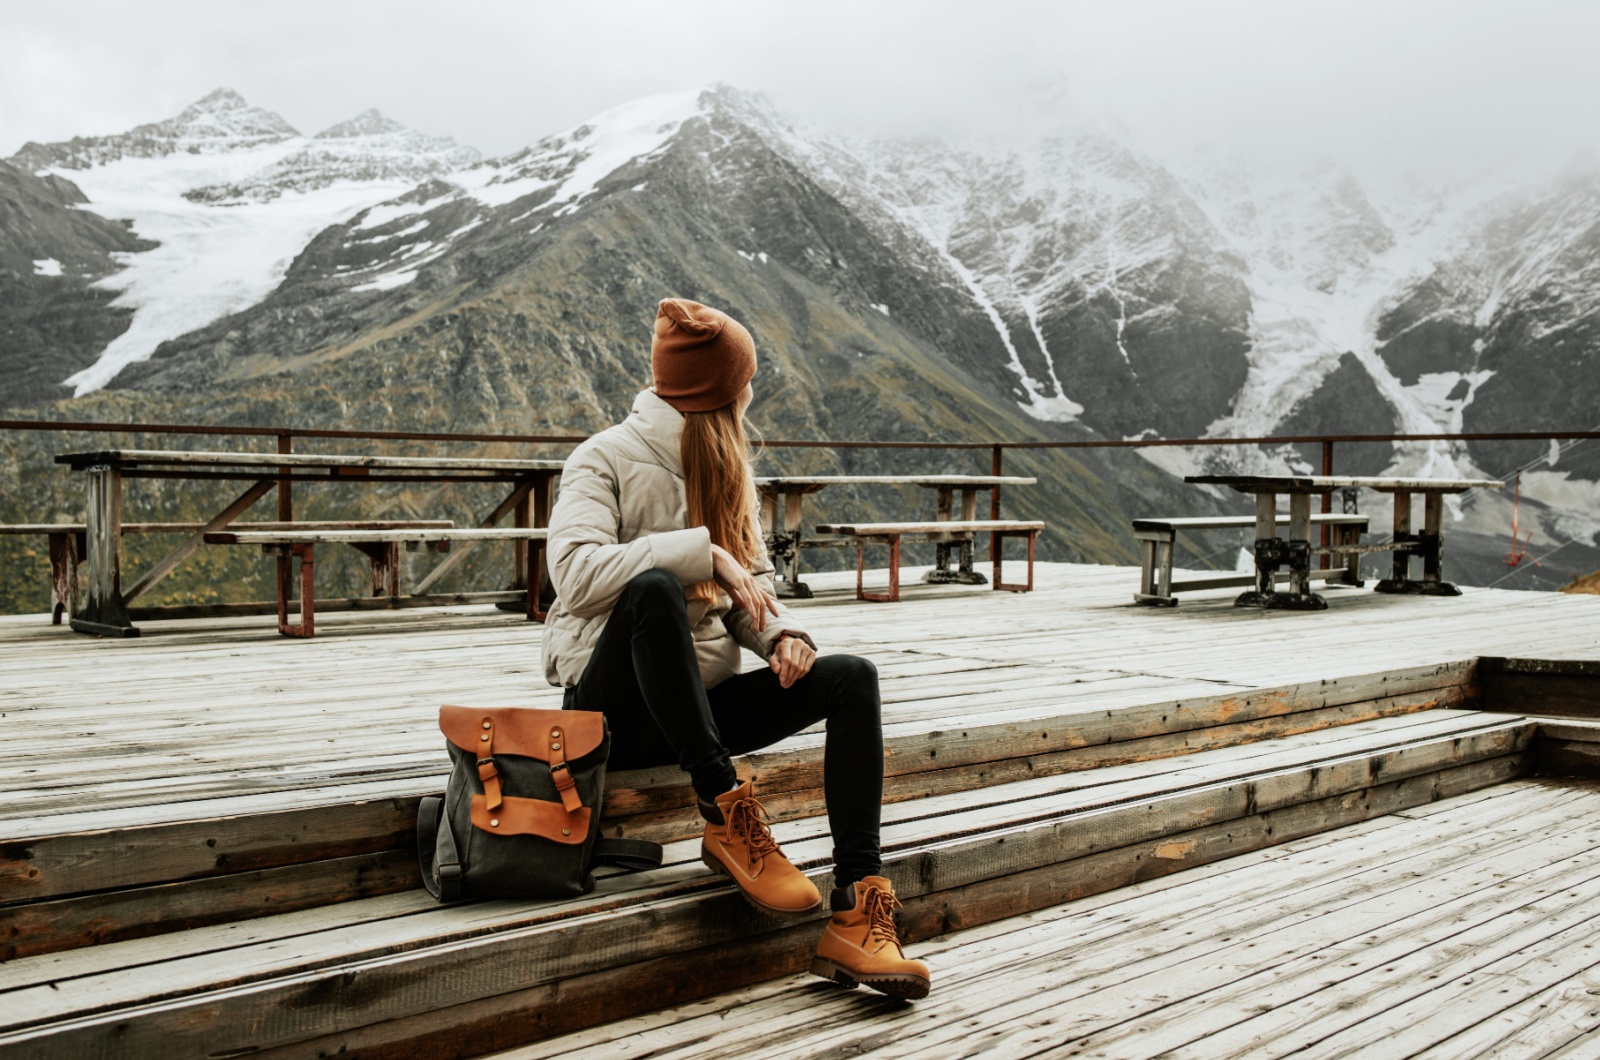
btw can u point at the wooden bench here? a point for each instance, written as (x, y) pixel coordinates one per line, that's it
(784, 529)
(69, 546)
(1157, 536)
(1274, 552)
(384, 548)
(943, 531)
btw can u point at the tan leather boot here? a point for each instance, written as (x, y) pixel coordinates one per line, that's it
(742, 847)
(859, 945)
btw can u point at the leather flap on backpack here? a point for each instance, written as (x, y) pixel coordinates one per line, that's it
(523, 731)
(531, 817)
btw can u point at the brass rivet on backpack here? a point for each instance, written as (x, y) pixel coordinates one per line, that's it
(486, 723)
(484, 738)
(556, 733)
(566, 831)
(555, 747)
(494, 822)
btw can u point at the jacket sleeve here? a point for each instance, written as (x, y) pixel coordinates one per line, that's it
(588, 564)
(740, 625)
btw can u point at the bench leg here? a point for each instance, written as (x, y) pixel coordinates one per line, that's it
(1349, 535)
(893, 541)
(941, 574)
(536, 574)
(1155, 569)
(996, 546)
(1429, 544)
(385, 559)
(105, 612)
(64, 555)
(288, 555)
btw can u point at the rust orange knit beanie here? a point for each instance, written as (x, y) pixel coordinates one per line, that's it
(702, 358)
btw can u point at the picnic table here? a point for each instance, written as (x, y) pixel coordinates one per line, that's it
(785, 540)
(106, 610)
(1272, 551)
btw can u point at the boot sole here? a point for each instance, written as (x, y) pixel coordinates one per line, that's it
(905, 987)
(710, 862)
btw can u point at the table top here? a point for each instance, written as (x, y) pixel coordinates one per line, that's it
(780, 483)
(1324, 483)
(124, 459)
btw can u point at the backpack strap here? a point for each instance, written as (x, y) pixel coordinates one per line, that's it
(635, 855)
(436, 849)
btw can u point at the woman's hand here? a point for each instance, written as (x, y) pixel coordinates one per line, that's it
(791, 659)
(742, 587)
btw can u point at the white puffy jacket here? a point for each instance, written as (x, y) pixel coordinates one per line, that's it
(621, 511)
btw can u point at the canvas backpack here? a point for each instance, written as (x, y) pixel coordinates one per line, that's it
(520, 817)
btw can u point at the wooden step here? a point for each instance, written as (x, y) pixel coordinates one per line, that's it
(76, 879)
(1358, 932)
(399, 975)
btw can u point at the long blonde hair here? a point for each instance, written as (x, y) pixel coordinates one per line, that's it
(715, 453)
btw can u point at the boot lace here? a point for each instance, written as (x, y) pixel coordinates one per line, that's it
(749, 819)
(880, 907)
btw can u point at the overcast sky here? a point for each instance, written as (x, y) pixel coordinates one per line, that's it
(1422, 82)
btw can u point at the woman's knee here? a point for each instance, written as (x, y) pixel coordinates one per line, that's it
(855, 681)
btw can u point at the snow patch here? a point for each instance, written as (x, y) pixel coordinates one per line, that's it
(388, 282)
(47, 267)
(880, 307)
(576, 161)
(1575, 503)
(409, 230)
(386, 212)
(212, 260)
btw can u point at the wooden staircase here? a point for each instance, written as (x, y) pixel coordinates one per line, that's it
(292, 923)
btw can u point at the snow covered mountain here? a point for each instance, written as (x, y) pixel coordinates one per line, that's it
(1077, 285)
(227, 194)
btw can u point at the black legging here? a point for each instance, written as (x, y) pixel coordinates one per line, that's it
(643, 676)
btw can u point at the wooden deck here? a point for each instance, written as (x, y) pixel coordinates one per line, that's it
(206, 833)
(213, 716)
(1468, 928)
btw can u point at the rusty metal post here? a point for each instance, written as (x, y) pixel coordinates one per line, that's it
(1327, 502)
(994, 499)
(285, 487)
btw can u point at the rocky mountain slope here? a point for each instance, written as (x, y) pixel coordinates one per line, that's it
(55, 319)
(1072, 287)
(223, 196)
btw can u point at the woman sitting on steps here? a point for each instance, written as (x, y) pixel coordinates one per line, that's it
(661, 576)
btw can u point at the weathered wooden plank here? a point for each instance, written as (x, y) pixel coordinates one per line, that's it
(774, 483)
(202, 458)
(951, 526)
(1570, 688)
(135, 912)
(941, 748)
(277, 1010)
(294, 535)
(1552, 950)
(529, 1015)
(1324, 483)
(1149, 998)
(1240, 522)
(77, 862)
(1379, 953)
(992, 960)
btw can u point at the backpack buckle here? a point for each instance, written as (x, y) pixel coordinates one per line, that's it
(566, 787)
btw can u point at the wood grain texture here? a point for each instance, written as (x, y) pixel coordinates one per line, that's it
(1465, 930)
(267, 1003)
